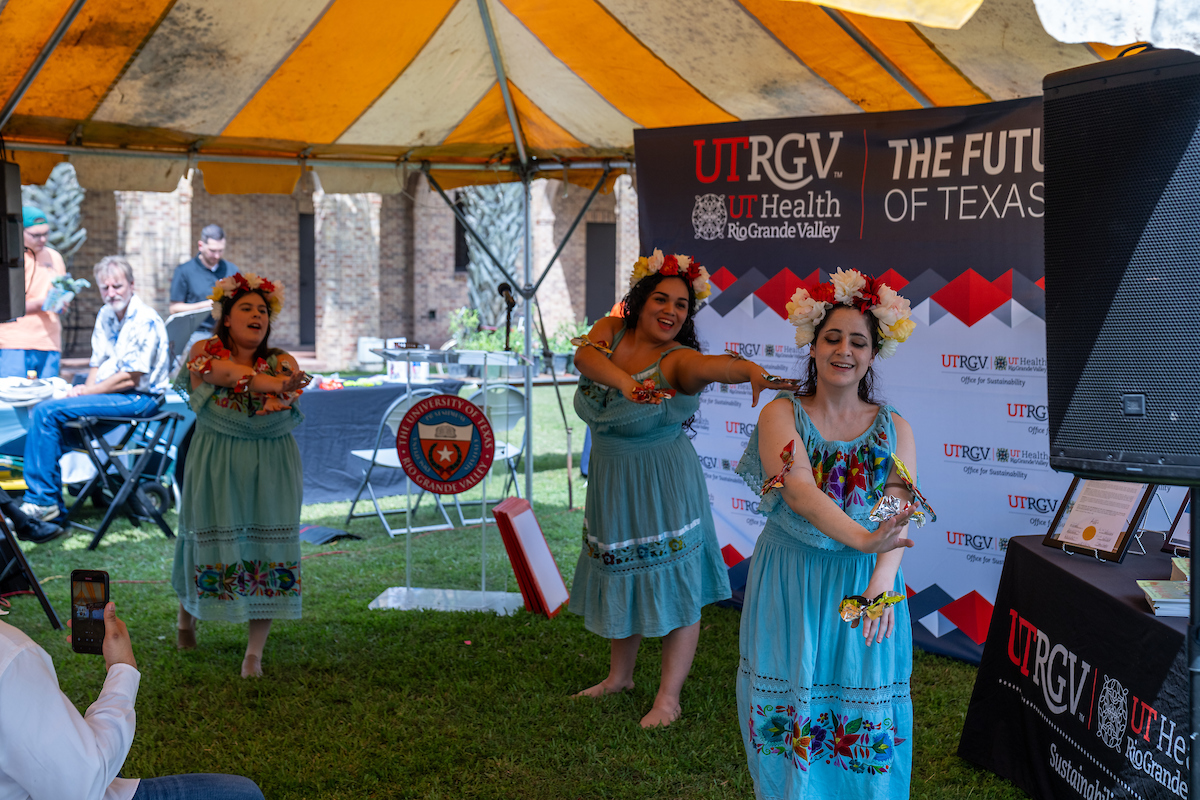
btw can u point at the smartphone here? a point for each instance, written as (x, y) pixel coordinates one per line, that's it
(89, 595)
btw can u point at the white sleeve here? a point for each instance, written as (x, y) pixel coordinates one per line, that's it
(99, 342)
(51, 751)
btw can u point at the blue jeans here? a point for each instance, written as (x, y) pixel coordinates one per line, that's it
(198, 786)
(45, 442)
(18, 363)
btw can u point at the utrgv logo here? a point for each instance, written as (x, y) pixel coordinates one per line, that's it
(1027, 411)
(967, 451)
(746, 349)
(1040, 505)
(780, 160)
(742, 504)
(969, 363)
(740, 428)
(974, 541)
(707, 462)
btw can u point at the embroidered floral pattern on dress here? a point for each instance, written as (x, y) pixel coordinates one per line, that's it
(859, 745)
(247, 579)
(641, 554)
(853, 477)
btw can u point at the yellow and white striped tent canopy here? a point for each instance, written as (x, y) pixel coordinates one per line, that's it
(251, 91)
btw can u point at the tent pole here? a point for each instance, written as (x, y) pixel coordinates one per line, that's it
(30, 74)
(528, 295)
(463, 219)
(502, 78)
(571, 230)
(878, 57)
(355, 162)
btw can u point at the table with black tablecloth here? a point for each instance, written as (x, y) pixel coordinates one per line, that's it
(340, 420)
(1082, 691)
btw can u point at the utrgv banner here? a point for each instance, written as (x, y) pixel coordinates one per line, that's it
(946, 206)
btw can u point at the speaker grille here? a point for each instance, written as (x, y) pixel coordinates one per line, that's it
(1122, 234)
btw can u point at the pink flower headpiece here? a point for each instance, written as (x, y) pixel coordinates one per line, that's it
(808, 307)
(675, 265)
(228, 287)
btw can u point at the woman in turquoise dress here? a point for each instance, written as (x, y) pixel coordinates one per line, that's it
(650, 558)
(237, 556)
(824, 708)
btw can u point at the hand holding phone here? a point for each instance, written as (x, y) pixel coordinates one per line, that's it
(89, 596)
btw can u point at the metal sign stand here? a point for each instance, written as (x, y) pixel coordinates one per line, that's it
(407, 597)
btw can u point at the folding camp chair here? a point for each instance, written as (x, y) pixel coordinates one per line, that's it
(504, 409)
(129, 470)
(384, 455)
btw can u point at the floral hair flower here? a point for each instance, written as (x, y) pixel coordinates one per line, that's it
(809, 305)
(678, 266)
(229, 287)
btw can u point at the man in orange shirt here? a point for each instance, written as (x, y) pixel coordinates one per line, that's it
(33, 342)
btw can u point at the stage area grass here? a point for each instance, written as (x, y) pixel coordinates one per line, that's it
(387, 704)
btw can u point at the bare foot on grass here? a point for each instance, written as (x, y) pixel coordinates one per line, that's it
(604, 687)
(661, 716)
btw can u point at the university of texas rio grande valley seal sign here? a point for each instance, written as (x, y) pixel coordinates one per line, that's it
(445, 444)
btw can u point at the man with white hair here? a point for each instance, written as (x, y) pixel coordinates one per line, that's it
(128, 376)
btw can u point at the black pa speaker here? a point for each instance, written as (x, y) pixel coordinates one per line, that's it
(12, 244)
(1122, 238)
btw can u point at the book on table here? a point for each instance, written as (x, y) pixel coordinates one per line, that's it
(1181, 568)
(1167, 598)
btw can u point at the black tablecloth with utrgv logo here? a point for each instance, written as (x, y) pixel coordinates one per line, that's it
(1082, 691)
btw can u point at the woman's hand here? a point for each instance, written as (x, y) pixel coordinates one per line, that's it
(295, 380)
(759, 384)
(891, 533)
(273, 403)
(881, 627)
(633, 395)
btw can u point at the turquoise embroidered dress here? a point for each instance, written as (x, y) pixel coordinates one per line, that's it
(650, 558)
(237, 556)
(822, 715)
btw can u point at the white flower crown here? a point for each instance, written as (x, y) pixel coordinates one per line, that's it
(228, 287)
(679, 266)
(807, 308)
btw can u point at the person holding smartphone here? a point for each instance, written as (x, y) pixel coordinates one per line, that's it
(52, 751)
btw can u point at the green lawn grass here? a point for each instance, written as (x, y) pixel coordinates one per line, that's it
(387, 704)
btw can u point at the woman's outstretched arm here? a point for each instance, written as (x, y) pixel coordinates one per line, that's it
(690, 372)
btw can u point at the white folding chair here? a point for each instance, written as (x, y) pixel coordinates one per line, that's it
(384, 455)
(504, 409)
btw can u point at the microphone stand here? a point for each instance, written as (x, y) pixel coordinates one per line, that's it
(508, 326)
(505, 291)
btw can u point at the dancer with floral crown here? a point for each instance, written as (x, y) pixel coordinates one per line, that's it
(824, 706)
(237, 558)
(650, 559)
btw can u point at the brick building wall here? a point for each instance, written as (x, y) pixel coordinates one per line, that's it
(625, 209)
(395, 264)
(262, 235)
(574, 255)
(384, 263)
(347, 233)
(152, 234)
(437, 289)
(99, 215)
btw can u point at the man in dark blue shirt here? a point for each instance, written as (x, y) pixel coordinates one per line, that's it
(194, 280)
